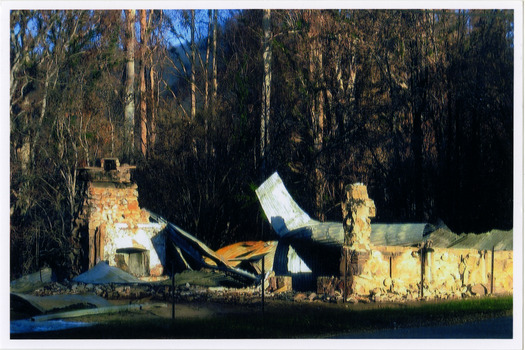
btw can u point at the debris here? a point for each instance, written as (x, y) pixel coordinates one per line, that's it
(352, 299)
(283, 289)
(299, 297)
(279, 284)
(194, 252)
(289, 220)
(103, 273)
(29, 283)
(478, 289)
(205, 278)
(248, 255)
(32, 305)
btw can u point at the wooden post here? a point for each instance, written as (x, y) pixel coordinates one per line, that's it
(492, 272)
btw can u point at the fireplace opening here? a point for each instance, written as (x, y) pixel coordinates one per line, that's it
(133, 260)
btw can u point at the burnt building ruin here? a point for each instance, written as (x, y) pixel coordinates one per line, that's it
(357, 257)
(114, 229)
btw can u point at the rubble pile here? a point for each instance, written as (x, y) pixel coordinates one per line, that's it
(188, 293)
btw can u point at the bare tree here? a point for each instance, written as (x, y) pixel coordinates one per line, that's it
(143, 107)
(266, 87)
(129, 104)
(193, 64)
(214, 65)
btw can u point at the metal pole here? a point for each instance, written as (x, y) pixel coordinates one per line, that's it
(463, 274)
(262, 287)
(492, 272)
(391, 273)
(344, 273)
(422, 255)
(172, 290)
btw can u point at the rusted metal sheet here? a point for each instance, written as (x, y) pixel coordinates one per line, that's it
(237, 252)
(250, 252)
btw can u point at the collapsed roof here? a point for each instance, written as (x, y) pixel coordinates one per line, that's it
(290, 222)
(308, 248)
(193, 253)
(185, 250)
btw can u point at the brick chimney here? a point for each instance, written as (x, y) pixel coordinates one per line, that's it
(116, 229)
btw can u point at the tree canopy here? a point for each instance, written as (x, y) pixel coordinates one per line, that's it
(416, 104)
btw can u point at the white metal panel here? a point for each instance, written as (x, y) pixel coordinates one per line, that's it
(282, 211)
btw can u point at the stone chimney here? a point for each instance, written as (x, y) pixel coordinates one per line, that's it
(357, 211)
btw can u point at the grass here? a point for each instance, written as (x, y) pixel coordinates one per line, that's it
(289, 320)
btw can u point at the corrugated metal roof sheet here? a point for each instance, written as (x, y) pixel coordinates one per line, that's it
(398, 234)
(500, 240)
(282, 211)
(246, 250)
(324, 233)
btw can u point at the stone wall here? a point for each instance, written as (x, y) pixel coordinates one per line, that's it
(411, 272)
(445, 273)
